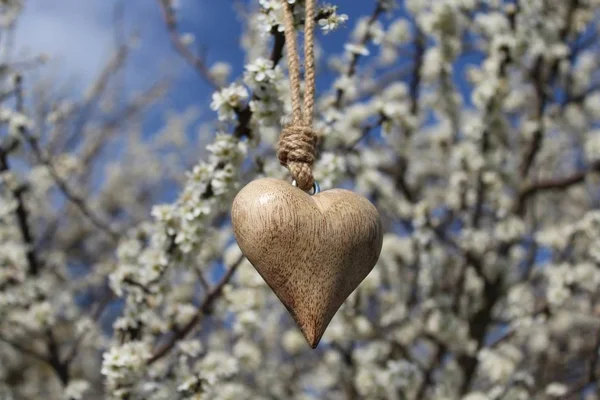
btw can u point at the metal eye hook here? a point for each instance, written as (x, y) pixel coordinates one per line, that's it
(316, 189)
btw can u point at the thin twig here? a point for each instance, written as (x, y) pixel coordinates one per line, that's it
(96, 314)
(24, 350)
(116, 122)
(415, 83)
(339, 97)
(204, 309)
(86, 110)
(61, 368)
(74, 198)
(22, 215)
(365, 131)
(541, 82)
(21, 211)
(196, 62)
(592, 375)
(554, 184)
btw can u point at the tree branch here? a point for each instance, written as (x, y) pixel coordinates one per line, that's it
(24, 350)
(78, 201)
(339, 97)
(21, 211)
(22, 215)
(204, 309)
(196, 62)
(592, 377)
(61, 368)
(96, 314)
(554, 184)
(541, 82)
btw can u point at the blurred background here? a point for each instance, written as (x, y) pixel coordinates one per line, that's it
(127, 128)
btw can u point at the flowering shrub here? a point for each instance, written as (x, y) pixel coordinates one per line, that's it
(472, 125)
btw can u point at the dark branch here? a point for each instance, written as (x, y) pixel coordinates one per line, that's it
(554, 184)
(339, 98)
(204, 309)
(195, 61)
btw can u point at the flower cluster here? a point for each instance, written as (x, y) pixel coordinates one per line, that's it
(331, 20)
(268, 84)
(228, 101)
(123, 366)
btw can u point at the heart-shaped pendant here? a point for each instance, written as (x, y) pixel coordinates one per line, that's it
(313, 251)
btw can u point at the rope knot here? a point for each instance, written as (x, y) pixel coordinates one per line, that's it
(296, 151)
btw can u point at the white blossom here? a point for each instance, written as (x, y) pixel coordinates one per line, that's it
(228, 100)
(333, 19)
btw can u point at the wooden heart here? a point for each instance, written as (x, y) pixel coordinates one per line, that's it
(313, 251)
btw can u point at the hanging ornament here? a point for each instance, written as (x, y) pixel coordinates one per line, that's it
(312, 248)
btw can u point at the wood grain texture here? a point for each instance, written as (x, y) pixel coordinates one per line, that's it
(313, 251)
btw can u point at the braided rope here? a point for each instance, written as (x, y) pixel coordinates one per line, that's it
(297, 142)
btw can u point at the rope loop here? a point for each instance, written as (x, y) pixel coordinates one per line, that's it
(296, 150)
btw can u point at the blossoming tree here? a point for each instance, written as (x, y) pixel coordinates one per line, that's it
(473, 126)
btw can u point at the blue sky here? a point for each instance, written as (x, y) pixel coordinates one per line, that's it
(78, 35)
